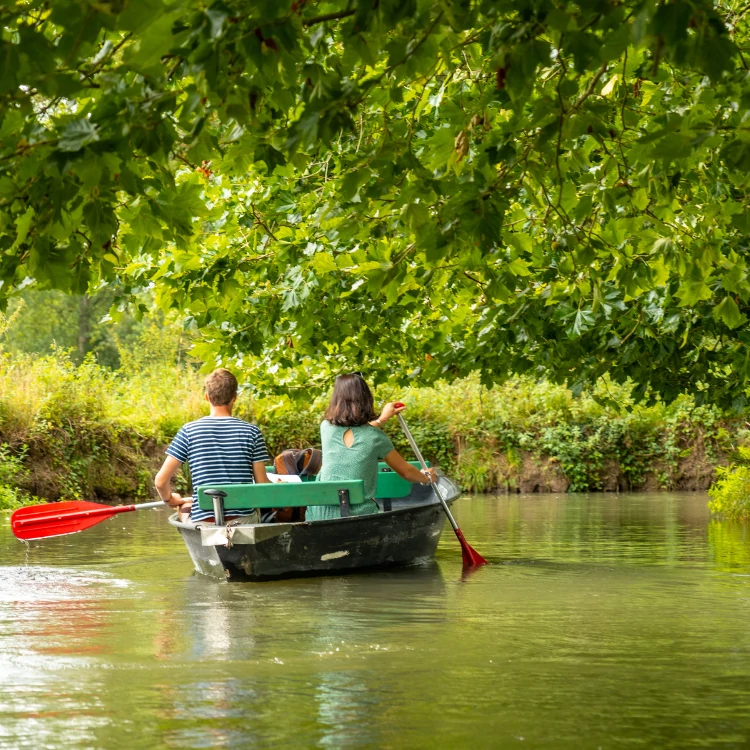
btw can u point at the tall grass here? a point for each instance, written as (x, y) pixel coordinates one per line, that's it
(730, 496)
(87, 431)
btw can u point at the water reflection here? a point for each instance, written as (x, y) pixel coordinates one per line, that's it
(729, 544)
(638, 529)
(603, 621)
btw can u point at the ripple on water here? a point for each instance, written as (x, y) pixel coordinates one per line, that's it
(39, 584)
(55, 618)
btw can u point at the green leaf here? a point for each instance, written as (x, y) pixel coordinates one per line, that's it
(584, 321)
(439, 148)
(640, 199)
(179, 206)
(272, 158)
(23, 224)
(324, 263)
(351, 183)
(153, 40)
(77, 134)
(585, 48)
(728, 312)
(691, 292)
(663, 246)
(101, 220)
(519, 267)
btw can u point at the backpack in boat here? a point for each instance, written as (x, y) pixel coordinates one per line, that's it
(303, 463)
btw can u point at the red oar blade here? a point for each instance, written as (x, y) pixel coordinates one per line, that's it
(470, 556)
(56, 519)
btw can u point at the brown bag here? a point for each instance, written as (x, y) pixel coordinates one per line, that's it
(303, 463)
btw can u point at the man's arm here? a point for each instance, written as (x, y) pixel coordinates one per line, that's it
(259, 472)
(164, 479)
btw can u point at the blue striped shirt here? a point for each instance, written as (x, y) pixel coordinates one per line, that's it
(219, 450)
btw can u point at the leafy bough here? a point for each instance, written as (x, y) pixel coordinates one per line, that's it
(416, 189)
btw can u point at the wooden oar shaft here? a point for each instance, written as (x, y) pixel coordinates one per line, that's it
(114, 510)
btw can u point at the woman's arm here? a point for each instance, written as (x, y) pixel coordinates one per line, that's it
(389, 410)
(402, 467)
(406, 471)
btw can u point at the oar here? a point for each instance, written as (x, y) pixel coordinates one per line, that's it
(470, 555)
(56, 519)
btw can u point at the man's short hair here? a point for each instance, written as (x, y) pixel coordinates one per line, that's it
(221, 387)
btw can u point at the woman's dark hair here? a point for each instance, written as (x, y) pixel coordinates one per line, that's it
(351, 403)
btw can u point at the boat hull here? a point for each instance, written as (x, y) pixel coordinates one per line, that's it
(406, 535)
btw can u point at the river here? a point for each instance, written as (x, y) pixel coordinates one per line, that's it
(604, 621)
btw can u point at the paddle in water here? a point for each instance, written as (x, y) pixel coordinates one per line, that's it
(70, 517)
(470, 556)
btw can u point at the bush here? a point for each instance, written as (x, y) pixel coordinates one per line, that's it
(91, 432)
(12, 472)
(730, 496)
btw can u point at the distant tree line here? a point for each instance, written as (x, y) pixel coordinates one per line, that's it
(76, 323)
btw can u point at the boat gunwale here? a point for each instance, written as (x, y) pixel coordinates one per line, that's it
(196, 526)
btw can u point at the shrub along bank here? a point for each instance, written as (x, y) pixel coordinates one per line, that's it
(730, 496)
(85, 431)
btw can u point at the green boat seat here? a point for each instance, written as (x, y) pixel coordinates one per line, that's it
(243, 496)
(389, 484)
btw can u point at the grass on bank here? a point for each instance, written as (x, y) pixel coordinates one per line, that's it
(86, 431)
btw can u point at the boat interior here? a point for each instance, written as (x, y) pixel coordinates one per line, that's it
(393, 494)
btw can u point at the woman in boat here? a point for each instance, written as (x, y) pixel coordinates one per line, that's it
(353, 443)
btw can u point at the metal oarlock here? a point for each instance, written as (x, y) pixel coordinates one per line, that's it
(218, 499)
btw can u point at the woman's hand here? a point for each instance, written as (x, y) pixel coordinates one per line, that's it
(389, 410)
(431, 474)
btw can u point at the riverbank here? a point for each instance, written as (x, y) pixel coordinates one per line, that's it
(85, 431)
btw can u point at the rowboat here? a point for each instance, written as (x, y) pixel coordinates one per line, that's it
(406, 531)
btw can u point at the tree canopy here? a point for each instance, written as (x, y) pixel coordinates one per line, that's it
(418, 189)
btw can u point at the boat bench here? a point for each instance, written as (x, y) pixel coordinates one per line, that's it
(221, 498)
(390, 485)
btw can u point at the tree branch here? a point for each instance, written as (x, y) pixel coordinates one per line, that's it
(259, 220)
(476, 281)
(589, 89)
(338, 15)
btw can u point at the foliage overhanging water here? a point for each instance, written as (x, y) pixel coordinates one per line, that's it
(606, 621)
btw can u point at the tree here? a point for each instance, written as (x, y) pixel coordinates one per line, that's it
(420, 189)
(43, 319)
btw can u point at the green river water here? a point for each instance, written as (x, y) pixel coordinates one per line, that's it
(604, 621)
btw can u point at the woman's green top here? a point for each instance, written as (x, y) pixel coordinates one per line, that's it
(359, 461)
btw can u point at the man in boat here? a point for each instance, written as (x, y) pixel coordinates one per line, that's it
(219, 448)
